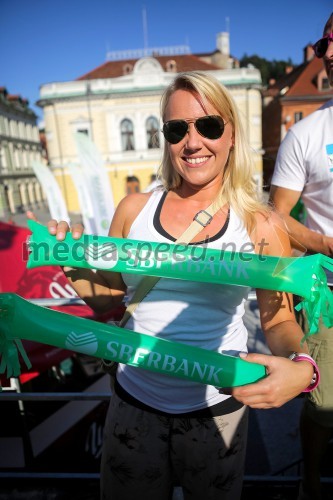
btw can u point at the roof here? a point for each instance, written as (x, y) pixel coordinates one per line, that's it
(18, 98)
(306, 82)
(15, 101)
(114, 69)
(286, 80)
(302, 81)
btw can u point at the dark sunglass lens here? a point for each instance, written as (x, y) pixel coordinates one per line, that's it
(175, 130)
(211, 127)
(321, 47)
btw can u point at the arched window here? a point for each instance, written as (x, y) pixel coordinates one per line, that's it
(127, 135)
(153, 140)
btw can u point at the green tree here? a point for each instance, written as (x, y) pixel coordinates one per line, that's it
(268, 69)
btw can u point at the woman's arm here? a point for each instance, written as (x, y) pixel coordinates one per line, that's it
(286, 379)
(101, 290)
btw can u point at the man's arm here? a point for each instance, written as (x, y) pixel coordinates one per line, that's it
(301, 237)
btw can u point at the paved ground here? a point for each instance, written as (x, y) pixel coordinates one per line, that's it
(43, 216)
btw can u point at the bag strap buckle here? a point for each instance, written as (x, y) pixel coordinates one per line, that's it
(203, 218)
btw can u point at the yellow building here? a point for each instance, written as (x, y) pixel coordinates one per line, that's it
(117, 106)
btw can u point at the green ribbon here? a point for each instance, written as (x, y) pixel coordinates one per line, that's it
(20, 319)
(303, 276)
(10, 349)
(321, 304)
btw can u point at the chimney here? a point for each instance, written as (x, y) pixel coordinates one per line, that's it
(308, 53)
(222, 43)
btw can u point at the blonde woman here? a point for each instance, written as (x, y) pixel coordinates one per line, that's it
(161, 429)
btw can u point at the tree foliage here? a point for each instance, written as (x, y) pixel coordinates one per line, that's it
(268, 69)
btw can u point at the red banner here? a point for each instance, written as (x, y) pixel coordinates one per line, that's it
(40, 283)
(43, 282)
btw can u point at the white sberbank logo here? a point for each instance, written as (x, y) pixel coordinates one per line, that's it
(103, 256)
(82, 342)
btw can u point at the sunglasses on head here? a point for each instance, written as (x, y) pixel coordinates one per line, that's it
(320, 47)
(210, 127)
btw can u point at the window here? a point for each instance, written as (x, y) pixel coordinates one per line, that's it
(6, 126)
(127, 135)
(13, 128)
(17, 156)
(8, 198)
(171, 66)
(2, 125)
(3, 163)
(83, 131)
(153, 140)
(325, 84)
(298, 116)
(80, 125)
(127, 69)
(21, 134)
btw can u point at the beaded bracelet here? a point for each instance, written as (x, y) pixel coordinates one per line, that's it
(300, 356)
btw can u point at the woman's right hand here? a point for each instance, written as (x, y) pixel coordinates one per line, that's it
(61, 228)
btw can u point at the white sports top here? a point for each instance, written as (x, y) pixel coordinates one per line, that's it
(200, 314)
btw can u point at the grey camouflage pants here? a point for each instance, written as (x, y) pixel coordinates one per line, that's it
(145, 454)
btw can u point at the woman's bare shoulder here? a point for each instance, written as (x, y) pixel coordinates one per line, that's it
(127, 211)
(134, 201)
(271, 233)
(268, 220)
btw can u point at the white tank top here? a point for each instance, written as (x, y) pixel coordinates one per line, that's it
(199, 314)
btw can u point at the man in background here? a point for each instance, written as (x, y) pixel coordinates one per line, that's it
(304, 169)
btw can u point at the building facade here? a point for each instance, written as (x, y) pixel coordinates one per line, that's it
(19, 147)
(297, 94)
(117, 106)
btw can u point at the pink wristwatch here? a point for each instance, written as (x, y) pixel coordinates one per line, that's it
(300, 356)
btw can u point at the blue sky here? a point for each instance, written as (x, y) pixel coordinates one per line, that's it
(42, 41)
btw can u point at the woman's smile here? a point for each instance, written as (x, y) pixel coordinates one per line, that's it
(196, 161)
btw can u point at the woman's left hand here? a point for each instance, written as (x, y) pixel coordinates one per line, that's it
(285, 380)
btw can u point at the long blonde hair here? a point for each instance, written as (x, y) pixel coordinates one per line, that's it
(238, 187)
